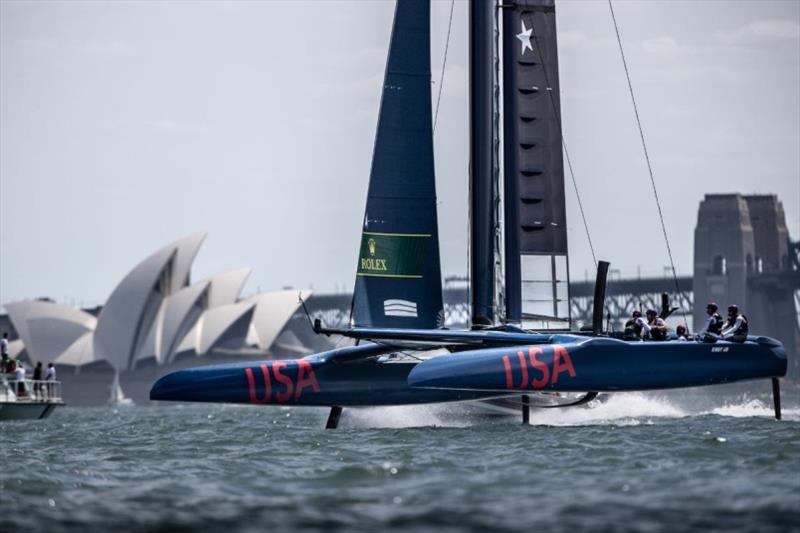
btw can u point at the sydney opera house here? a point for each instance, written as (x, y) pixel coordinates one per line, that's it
(157, 320)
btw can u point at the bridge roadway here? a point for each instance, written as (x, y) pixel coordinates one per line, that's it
(622, 296)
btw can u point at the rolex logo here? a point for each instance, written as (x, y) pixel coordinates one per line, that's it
(371, 245)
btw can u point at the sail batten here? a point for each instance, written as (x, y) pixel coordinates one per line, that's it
(398, 276)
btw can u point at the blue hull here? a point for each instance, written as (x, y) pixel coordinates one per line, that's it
(354, 376)
(344, 377)
(603, 365)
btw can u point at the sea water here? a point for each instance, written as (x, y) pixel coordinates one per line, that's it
(634, 463)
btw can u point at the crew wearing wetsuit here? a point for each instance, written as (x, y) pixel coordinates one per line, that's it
(656, 327)
(636, 326)
(736, 327)
(713, 323)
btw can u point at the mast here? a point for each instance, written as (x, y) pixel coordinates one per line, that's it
(483, 221)
(536, 270)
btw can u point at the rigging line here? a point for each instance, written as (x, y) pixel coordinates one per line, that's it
(444, 63)
(647, 158)
(563, 141)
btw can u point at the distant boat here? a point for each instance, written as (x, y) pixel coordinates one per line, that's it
(34, 400)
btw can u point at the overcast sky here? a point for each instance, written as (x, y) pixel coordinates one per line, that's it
(126, 125)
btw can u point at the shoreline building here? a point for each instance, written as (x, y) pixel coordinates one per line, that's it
(157, 320)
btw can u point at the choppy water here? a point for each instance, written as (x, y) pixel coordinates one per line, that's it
(632, 464)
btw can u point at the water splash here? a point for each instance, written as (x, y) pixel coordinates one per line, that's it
(404, 417)
(754, 408)
(621, 409)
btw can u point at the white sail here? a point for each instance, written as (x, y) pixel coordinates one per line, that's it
(118, 397)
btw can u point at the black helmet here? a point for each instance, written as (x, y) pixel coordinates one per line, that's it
(733, 310)
(712, 306)
(636, 313)
(651, 312)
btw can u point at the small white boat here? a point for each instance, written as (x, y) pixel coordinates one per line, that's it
(28, 399)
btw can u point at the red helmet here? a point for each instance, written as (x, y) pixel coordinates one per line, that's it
(681, 329)
(733, 310)
(636, 313)
(651, 312)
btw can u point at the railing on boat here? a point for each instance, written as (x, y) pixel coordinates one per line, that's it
(30, 390)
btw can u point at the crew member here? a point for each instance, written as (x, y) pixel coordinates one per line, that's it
(682, 333)
(38, 389)
(19, 373)
(4, 353)
(713, 323)
(49, 376)
(636, 326)
(736, 327)
(657, 328)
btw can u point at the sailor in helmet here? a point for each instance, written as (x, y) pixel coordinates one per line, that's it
(736, 327)
(682, 333)
(656, 326)
(713, 324)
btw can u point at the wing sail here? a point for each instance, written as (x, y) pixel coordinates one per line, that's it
(398, 279)
(537, 275)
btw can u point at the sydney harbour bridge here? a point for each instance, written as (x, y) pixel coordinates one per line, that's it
(742, 254)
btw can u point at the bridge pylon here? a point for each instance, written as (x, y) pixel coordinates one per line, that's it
(742, 256)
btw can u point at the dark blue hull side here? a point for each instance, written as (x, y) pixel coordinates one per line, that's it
(355, 376)
(331, 378)
(603, 364)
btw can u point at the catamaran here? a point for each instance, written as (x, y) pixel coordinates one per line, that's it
(520, 343)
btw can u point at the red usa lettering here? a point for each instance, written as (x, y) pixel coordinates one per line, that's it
(278, 386)
(541, 373)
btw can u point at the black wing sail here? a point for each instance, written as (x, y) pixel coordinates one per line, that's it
(398, 280)
(537, 276)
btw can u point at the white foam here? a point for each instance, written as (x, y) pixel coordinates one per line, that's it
(621, 409)
(754, 408)
(403, 416)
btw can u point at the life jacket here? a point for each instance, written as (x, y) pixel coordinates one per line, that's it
(742, 329)
(716, 326)
(634, 327)
(659, 329)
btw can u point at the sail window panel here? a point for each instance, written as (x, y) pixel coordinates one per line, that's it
(537, 267)
(545, 289)
(538, 291)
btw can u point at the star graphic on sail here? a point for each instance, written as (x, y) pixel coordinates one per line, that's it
(525, 38)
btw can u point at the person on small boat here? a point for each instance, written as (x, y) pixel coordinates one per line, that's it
(19, 376)
(736, 327)
(636, 326)
(682, 332)
(4, 352)
(37, 379)
(656, 327)
(713, 323)
(50, 375)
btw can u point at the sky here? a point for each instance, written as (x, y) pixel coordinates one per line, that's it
(127, 125)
